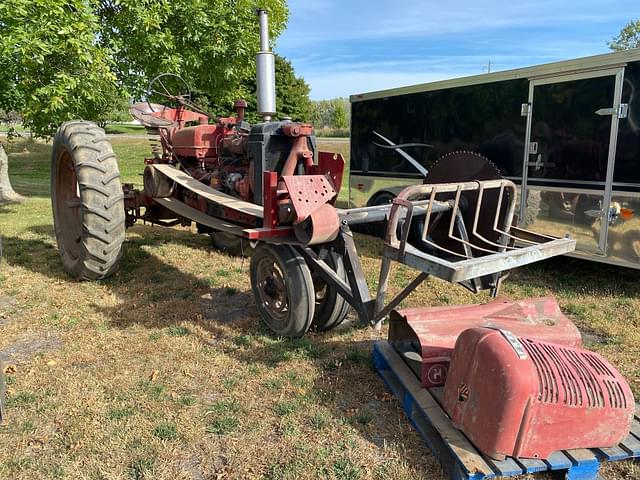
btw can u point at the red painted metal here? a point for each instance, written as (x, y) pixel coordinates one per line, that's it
(436, 329)
(266, 233)
(308, 193)
(527, 398)
(321, 226)
(299, 148)
(180, 115)
(331, 164)
(270, 199)
(200, 141)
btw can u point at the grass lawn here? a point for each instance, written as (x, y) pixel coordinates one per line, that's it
(164, 371)
(116, 128)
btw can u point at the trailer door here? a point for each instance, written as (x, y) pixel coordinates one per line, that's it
(572, 124)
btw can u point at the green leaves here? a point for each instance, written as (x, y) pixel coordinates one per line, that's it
(629, 37)
(64, 59)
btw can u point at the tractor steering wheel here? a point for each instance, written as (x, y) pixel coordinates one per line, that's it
(157, 87)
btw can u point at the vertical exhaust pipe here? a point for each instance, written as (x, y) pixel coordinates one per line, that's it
(265, 72)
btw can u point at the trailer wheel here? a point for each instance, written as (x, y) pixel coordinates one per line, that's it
(87, 201)
(283, 289)
(331, 307)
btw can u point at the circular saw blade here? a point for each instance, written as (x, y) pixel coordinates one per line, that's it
(457, 167)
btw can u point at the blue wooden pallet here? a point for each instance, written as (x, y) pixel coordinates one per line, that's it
(459, 458)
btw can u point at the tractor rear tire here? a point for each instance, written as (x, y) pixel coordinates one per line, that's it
(283, 289)
(87, 201)
(331, 307)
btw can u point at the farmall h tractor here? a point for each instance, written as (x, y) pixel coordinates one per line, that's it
(266, 188)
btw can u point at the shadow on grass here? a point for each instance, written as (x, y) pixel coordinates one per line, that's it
(568, 276)
(150, 292)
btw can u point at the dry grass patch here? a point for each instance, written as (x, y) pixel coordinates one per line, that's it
(164, 371)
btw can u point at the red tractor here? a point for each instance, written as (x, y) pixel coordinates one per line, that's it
(266, 187)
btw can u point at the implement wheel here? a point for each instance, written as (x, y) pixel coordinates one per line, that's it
(331, 307)
(87, 201)
(283, 289)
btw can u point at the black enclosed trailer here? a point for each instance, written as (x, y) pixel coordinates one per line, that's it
(567, 133)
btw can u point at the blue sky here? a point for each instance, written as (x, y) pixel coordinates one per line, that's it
(346, 47)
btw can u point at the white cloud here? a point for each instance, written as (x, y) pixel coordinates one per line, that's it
(341, 48)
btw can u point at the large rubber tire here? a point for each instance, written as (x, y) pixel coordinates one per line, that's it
(87, 201)
(331, 307)
(283, 289)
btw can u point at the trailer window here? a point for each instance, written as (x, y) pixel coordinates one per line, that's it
(572, 140)
(482, 118)
(627, 168)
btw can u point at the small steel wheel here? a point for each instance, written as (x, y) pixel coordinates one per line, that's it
(331, 307)
(283, 289)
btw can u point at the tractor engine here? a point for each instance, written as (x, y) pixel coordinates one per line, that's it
(216, 155)
(220, 166)
(230, 155)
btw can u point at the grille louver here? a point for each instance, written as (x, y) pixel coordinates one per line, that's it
(574, 378)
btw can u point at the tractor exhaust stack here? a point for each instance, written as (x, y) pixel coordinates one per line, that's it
(265, 72)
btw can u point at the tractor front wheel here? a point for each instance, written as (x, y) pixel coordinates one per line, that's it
(283, 289)
(87, 201)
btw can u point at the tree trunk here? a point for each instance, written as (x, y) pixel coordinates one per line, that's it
(7, 193)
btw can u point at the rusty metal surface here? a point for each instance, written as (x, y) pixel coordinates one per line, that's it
(527, 398)
(321, 226)
(331, 164)
(478, 208)
(481, 256)
(434, 330)
(308, 193)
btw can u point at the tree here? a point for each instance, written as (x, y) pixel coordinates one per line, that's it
(63, 59)
(339, 114)
(292, 93)
(56, 70)
(334, 113)
(7, 193)
(628, 38)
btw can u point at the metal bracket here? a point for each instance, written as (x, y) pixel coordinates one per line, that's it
(621, 112)
(525, 109)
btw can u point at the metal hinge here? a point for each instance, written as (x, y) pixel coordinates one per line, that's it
(525, 108)
(533, 148)
(621, 112)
